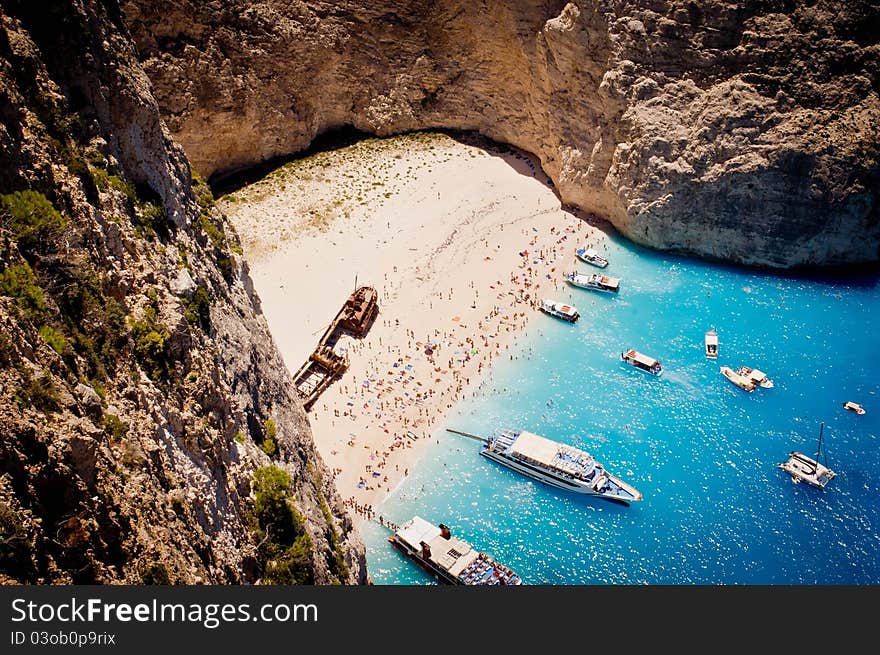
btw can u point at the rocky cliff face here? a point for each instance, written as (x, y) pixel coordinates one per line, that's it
(140, 390)
(741, 131)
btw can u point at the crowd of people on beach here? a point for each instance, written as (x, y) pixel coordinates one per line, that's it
(404, 389)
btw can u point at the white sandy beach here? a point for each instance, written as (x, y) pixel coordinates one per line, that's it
(438, 227)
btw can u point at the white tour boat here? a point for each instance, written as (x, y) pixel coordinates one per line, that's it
(806, 469)
(591, 256)
(593, 281)
(557, 464)
(738, 379)
(448, 558)
(642, 362)
(758, 377)
(712, 344)
(560, 310)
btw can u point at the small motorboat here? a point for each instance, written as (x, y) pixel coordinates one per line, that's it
(738, 379)
(853, 407)
(712, 344)
(590, 256)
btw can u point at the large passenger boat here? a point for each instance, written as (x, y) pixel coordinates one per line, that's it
(557, 464)
(449, 559)
(593, 281)
(641, 361)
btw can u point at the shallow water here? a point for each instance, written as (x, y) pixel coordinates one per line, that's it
(716, 509)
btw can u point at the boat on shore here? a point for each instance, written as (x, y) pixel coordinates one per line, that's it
(758, 377)
(853, 407)
(642, 362)
(450, 559)
(591, 256)
(593, 281)
(560, 310)
(711, 341)
(559, 465)
(807, 469)
(738, 379)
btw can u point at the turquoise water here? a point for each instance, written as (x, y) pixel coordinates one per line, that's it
(716, 510)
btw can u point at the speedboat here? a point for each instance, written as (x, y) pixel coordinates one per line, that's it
(738, 379)
(853, 407)
(758, 377)
(591, 256)
(560, 310)
(712, 344)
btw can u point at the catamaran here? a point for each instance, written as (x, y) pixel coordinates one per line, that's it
(556, 464)
(806, 469)
(449, 559)
(560, 310)
(591, 256)
(593, 281)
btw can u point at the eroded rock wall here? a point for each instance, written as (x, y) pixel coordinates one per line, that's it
(138, 378)
(740, 131)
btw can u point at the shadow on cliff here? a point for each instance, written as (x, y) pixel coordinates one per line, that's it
(522, 162)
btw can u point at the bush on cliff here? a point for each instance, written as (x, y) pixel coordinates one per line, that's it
(284, 547)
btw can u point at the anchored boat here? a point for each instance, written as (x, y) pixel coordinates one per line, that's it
(711, 344)
(449, 559)
(593, 281)
(806, 469)
(853, 407)
(556, 464)
(738, 379)
(758, 377)
(591, 256)
(642, 362)
(560, 310)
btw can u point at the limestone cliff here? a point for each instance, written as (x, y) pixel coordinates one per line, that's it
(745, 131)
(148, 421)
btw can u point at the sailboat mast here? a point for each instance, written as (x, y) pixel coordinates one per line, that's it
(819, 449)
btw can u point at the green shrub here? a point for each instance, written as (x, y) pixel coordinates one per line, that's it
(292, 566)
(32, 220)
(275, 515)
(156, 574)
(152, 346)
(285, 548)
(18, 283)
(55, 339)
(115, 426)
(14, 542)
(239, 437)
(39, 393)
(198, 309)
(213, 231)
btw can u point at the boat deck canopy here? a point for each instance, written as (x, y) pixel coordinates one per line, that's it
(639, 357)
(535, 447)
